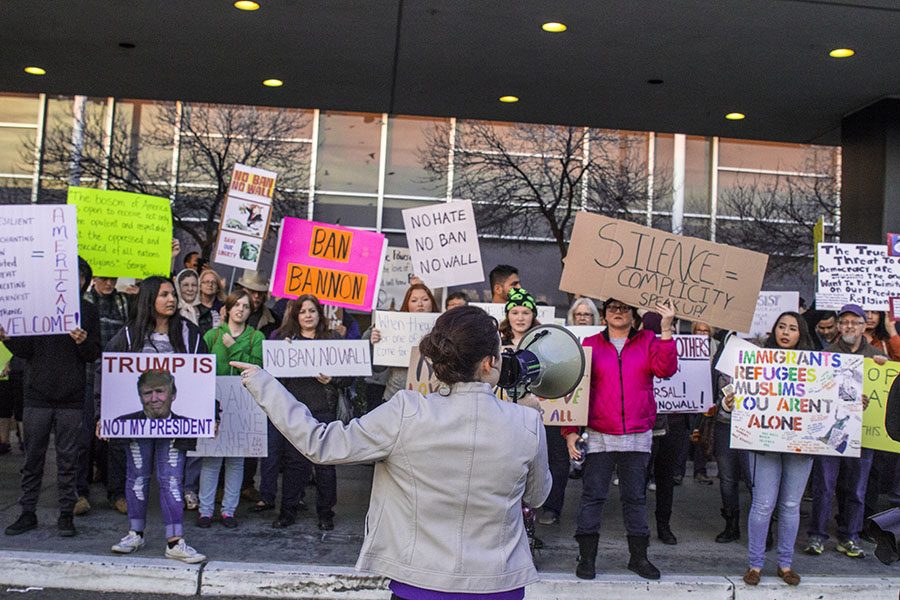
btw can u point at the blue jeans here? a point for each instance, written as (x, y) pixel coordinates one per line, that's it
(192, 474)
(825, 480)
(598, 470)
(778, 479)
(209, 481)
(142, 456)
(733, 468)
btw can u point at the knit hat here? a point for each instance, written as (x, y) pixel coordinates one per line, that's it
(520, 297)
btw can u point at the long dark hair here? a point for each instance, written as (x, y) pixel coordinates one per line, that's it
(290, 326)
(460, 339)
(805, 342)
(880, 333)
(143, 319)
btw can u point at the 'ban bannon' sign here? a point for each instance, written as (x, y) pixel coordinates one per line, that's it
(340, 266)
(640, 266)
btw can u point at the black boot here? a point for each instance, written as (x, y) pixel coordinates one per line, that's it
(732, 530)
(637, 547)
(587, 555)
(665, 535)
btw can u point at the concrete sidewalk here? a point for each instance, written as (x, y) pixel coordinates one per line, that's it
(301, 561)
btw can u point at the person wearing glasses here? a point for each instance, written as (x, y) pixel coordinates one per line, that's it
(621, 413)
(855, 471)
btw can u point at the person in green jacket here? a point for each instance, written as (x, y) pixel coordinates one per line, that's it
(231, 340)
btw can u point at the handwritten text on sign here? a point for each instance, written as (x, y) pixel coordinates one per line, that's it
(395, 278)
(877, 385)
(308, 358)
(860, 274)
(339, 265)
(443, 242)
(797, 401)
(689, 390)
(400, 331)
(768, 307)
(641, 266)
(39, 291)
(242, 430)
(122, 234)
(245, 217)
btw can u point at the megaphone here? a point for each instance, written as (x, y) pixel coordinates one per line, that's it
(548, 362)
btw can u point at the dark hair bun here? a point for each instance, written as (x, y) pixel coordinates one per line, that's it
(461, 338)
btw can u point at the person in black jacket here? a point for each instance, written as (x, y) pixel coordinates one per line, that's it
(55, 404)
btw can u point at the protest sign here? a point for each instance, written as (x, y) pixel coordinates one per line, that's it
(340, 266)
(39, 285)
(400, 331)
(140, 395)
(5, 357)
(420, 376)
(572, 409)
(860, 274)
(798, 401)
(689, 390)
(443, 242)
(243, 430)
(395, 276)
(893, 244)
(728, 358)
(895, 307)
(584, 331)
(876, 386)
(308, 358)
(545, 314)
(122, 234)
(245, 217)
(768, 307)
(704, 281)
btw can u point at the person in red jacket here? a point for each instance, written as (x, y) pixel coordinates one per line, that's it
(621, 414)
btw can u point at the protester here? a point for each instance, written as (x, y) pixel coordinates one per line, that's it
(262, 318)
(778, 478)
(304, 320)
(54, 401)
(212, 296)
(187, 284)
(232, 340)
(190, 260)
(881, 333)
(825, 324)
(457, 299)
(620, 424)
(11, 400)
(521, 316)
(502, 278)
(468, 459)
(156, 327)
(699, 456)
(583, 312)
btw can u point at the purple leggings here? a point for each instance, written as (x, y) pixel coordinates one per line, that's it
(142, 456)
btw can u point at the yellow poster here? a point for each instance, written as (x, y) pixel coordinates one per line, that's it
(877, 382)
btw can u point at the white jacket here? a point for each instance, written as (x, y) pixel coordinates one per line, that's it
(451, 473)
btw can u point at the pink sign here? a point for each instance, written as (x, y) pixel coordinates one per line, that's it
(338, 265)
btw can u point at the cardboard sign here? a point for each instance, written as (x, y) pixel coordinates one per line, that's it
(243, 430)
(768, 307)
(443, 241)
(309, 358)
(245, 217)
(174, 399)
(689, 390)
(640, 266)
(584, 331)
(860, 274)
(122, 234)
(39, 284)
(400, 331)
(338, 265)
(395, 276)
(5, 357)
(545, 314)
(798, 401)
(876, 386)
(893, 244)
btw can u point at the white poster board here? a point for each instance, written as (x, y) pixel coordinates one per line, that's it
(243, 430)
(689, 390)
(443, 242)
(860, 274)
(140, 395)
(39, 285)
(584, 331)
(768, 307)
(546, 314)
(400, 331)
(395, 276)
(309, 358)
(245, 217)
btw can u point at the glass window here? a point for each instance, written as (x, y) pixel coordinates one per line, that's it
(696, 175)
(662, 171)
(19, 109)
(144, 138)
(773, 156)
(392, 217)
(58, 143)
(348, 152)
(413, 141)
(16, 155)
(346, 210)
(15, 190)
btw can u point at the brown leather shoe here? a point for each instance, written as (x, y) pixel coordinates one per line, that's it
(789, 576)
(751, 577)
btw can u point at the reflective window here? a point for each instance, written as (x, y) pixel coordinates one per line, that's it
(19, 109)
(414, 143)
(348, 152)
(773, 156)
(16, 156)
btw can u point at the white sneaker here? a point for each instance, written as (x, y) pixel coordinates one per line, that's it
(191, 500)
(130, 543)
(184, 553)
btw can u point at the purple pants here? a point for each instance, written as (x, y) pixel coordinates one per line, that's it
(824, 483)
(142, 456)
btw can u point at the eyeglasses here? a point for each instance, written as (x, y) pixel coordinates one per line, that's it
(618, 308)
(584, 314)
(851, 323)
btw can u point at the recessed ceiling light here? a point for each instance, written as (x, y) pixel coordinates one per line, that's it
(246, 5)
(735, 116)
(554, 27)
(842, 53)
(273, 83)
(655, 81)
(35, 71)
(126, 45)
(509, 99)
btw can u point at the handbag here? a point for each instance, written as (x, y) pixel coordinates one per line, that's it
(707, 429)
(344, 406)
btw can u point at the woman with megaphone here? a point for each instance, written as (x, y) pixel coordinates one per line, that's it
(621, 414)
(451, 468)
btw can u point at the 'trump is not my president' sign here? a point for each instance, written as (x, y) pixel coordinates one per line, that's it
(340, 266)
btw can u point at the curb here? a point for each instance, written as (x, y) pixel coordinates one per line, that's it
(290, 581)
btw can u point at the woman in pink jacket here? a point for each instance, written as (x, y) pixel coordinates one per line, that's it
(620, 429)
